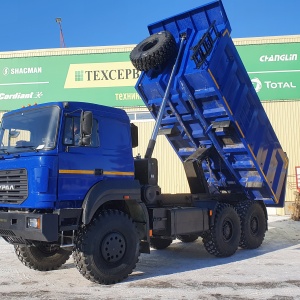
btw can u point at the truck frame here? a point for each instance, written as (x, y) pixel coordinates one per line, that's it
(91, 198)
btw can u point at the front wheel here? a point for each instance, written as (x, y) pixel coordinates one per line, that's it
(42, 257)
(222, 240)
(107, 250)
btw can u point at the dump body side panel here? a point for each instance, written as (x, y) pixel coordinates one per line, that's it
(212, 104)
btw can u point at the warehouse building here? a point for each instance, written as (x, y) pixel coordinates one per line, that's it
(105, 75)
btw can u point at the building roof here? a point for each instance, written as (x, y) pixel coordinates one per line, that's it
(128, 48)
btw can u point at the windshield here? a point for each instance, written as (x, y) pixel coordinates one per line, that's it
(30, 130)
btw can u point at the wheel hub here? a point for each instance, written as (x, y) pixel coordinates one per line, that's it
(113, 247)
(227, 230)
(149, 45)
(254, 225)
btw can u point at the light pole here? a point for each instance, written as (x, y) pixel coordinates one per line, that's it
(62, 40)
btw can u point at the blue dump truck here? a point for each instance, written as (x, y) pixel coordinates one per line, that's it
(69, 183)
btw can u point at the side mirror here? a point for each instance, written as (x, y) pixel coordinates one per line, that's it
(14, 133)
(134, 135)
(86, 125)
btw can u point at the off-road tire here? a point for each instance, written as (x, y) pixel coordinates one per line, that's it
(154, 51)
(222, 240)
(253, 224)
(188, 238)
(107, 250)
(159, 244)
(42, 257)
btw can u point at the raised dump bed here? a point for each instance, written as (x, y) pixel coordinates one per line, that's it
(212, 105)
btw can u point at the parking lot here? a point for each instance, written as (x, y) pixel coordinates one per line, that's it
(182, 271)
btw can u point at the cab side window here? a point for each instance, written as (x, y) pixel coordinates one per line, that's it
(71, 135)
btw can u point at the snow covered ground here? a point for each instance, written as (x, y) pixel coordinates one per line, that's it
(182, 271)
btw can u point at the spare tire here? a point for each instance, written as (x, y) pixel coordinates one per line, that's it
(154, 51)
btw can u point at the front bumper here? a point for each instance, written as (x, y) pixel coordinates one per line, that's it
(14, 227)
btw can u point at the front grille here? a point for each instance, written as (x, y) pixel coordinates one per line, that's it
(13, 186)
(14, 240)
(6, 232)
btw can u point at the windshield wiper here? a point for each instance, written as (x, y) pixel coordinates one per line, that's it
(30, 147)
(4, 151)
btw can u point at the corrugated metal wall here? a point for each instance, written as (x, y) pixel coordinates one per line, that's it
(284, 117)
(171, 175)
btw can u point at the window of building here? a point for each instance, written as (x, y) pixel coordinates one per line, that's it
(140, 116)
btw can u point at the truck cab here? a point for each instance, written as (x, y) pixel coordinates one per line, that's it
(52, 155)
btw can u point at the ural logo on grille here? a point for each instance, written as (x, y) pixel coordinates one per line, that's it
(6, 187)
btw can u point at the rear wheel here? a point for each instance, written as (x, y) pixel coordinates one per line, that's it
(42, 257)
(154, 51)
(222, 240)
(253, 223)
(107, 250)
(159, 244)
(188, 238)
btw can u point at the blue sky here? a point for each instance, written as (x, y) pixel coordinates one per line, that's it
(30, 24)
